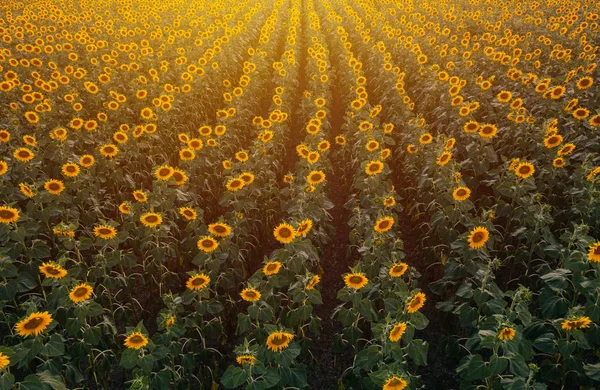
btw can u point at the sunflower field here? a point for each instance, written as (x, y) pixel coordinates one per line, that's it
(299, 194)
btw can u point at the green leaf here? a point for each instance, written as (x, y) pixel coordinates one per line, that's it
(417, 350)
(476, 369)
(367, 358)
(518, 366)
(234, 377)
(498, 364)
(129, 358)
(54, 347)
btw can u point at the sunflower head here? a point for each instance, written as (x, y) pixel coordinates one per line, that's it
(8, 214)
(416, 303)
(81, 293)
(220, 229)
(398, 269)
(197, 282)
(355, 281)
(250, 295)
(34, 324)
(478, 237)
(395, 383)
(461, 193)
(105, 232)
(151, 219)
(284, 233)
(278, 341)
(136, 340)
(397, 332)
(524, 170)
(382, 225)
(506, 333)
(53, 270)
(271, 268)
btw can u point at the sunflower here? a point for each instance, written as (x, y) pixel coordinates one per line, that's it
(105, 232)
(4, 361)
(581, 113)
(23, 154)
(250, 295)
(163, 172)
(140, 196)
(86, 160)
(355, 280)
(425, 139)
(288, 179)
(553, 141)
(397, 331)
(247, 178)
(54, 187)
(443, 159)
(313, 282)
(412, 149)
(53, 270)
(507, 333)
(4, 136)
(170, 322)
(197, 282)
(478, 237)
(416, 302)
(151, 219)
(81, 293)
(304, 227)
(8, 214)
(504, 96)
(315, 177)
(271, 268)
(207, 244)
(576, 323)
(284, 233)
(246, 359)
(488, 131)
(340, 140)
(34, 324)
(136, 340)
(324, 146)
(390, 201)
(241, 156)
(594, 252)
(383, 224)
(219, 229)
(461, 193)
(109, 150)
(395, 383)
(524, 170)
(471, 127)
(372, 145)
(374, 167)
(188, 213)
(180, 176)
(585, 82)
(3, 168)
(235, 184)
(278, 341)
(558, 162)
(70, 170)
(385, 153)
(566, 150)
(398, 269)
(125, 208)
